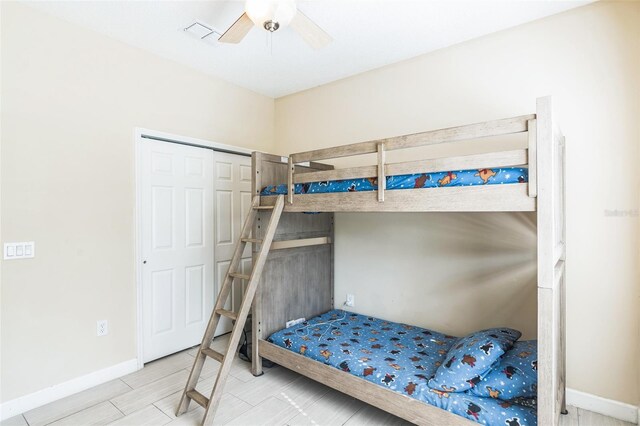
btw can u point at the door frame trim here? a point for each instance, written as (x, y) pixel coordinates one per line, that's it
(140, 134)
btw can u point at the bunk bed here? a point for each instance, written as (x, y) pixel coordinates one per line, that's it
(297, 279)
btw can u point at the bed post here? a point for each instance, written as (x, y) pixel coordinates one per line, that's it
(256, 312)
(551, 265)
(563, 288)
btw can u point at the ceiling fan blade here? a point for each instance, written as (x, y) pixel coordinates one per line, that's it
(238, 30)
(310, 31)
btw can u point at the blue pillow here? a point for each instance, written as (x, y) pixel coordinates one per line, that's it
(471, 357)
(514, 376)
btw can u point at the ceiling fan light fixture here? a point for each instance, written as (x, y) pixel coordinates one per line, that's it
(271, 14)
(271, 26)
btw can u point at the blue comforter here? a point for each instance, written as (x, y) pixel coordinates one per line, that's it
(412, 181)
(397, 356)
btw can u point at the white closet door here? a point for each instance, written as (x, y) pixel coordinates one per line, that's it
(232, 203)
(177, 199)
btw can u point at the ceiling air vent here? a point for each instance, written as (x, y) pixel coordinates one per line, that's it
(202, 31)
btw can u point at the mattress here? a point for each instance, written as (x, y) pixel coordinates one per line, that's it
(412, 181)
(397, 356)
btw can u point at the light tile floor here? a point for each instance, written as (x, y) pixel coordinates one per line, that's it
(280, 397)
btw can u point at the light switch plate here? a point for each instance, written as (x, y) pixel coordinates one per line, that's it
(23, 250)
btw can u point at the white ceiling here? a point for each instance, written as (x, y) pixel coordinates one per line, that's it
(367, 34)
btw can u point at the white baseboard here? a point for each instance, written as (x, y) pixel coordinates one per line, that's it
(608, 407)
(28, 402)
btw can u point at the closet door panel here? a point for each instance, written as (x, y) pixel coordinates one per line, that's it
(233, 202)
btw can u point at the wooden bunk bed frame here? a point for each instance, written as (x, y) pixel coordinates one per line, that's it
(297, 280)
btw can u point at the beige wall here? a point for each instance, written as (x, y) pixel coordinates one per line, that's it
(71, 99)
(589, 60)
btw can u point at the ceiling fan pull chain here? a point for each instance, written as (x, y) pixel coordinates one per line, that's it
(270, 43)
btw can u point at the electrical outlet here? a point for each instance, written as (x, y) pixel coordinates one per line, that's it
(102, 328)
(351, 300)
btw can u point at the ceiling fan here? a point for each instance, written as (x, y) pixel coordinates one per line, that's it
(272, 15)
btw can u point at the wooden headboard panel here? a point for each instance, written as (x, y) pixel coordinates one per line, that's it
(296, 282)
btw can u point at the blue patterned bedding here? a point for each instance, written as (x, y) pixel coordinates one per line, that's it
(412, 181)
(397, 356)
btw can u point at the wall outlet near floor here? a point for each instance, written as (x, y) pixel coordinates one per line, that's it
(351, 300)
(102, 328)
(295, 322)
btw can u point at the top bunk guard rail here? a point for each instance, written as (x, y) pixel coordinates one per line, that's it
(452, 134)
(303, 167)
(517, 197)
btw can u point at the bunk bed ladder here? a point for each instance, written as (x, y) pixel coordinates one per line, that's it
(205, 351)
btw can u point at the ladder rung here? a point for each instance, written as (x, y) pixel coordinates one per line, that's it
(263, 207)
(227, 314)
(202, 400)
(241, 276)
(213, 354)
(252, 240)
